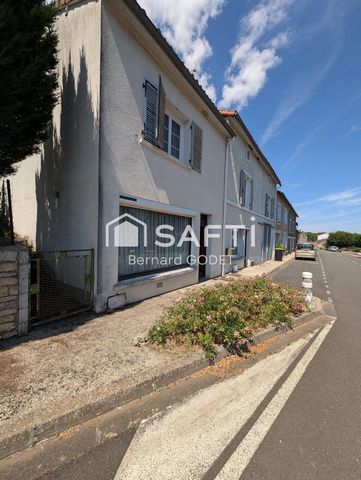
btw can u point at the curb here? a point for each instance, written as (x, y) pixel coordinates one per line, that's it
(33, 434)
(278, 267)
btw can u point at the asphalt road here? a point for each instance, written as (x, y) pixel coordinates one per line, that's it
(318, 433)
(295, 414)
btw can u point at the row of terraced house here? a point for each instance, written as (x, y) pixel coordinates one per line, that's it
(134, 135)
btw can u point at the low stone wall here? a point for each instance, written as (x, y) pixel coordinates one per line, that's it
(14, 290)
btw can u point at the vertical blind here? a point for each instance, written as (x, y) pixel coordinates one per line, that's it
(153, 252)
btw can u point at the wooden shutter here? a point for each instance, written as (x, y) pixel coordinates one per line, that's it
(151, 113)
(242, 188)
(251, 194)
(196, 146)
(161, 114)
(272, 208)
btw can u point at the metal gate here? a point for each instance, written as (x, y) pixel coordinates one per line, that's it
(61, 283)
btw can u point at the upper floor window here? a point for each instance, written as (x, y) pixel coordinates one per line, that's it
(165, 132)
(246, 190)
(279, 212)
(285, 217)
(273, 209)
(267, 205)
(172, 137)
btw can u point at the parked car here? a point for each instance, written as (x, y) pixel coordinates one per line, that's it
(333, 249)
(305, 250)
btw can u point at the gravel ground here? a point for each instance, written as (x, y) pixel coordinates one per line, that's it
(85, 357)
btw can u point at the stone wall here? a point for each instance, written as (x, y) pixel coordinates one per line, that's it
(14, 290)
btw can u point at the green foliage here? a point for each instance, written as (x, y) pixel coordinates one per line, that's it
(28, 79)
(5, 228)
(344, 239)
(311, 237)
(226, 314)
(279, 247)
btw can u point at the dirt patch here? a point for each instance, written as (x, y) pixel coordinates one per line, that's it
(9, 371)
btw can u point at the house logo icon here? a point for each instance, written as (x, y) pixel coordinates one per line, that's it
(125, 231)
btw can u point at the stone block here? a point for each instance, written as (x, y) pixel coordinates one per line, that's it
(13, 290)
(8, 311)
(8, 281)
(8, 274)
(23, 257)
(7, 319)
(23, 300)
(4, 291)
(6, 256)
(8, 266)
(11, 303)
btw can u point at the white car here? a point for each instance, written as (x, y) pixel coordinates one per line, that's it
(305, 250)
(333, 249)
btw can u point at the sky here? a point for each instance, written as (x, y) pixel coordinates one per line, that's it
(292, 69)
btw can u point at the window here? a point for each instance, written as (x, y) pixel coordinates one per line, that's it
(153, 258)
(172, 137)
(285, 217)
(267, 205)
(196, 147)
(272, 208)
(279, 212)
(246, 190)
(154, 113)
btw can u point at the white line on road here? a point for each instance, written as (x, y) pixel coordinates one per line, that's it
(330, 299)
(238, 462)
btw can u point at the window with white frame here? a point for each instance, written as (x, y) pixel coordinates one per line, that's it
(267, 205)
(172, 137)
(150, 257)
(167, 133)
(285, 218)
(246, 190)
(273, 208)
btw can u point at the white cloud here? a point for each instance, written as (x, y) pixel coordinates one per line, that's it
(349, 197)
(184, 24)
(353, 129)
(254, 54)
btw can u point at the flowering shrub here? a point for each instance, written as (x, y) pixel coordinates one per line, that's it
(226, 315)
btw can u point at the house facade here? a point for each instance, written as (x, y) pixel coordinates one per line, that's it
(251, 196)
(137, 144)
(286, 224)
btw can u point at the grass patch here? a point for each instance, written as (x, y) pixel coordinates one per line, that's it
(226, 315)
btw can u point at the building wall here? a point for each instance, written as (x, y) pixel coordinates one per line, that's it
(133, 167)
(239, 215)
(14, 291)
(55, 194)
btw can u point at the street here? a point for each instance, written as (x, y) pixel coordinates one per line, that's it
(293, 414)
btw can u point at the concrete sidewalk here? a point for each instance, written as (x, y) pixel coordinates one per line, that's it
(265, 268)
(64, 373)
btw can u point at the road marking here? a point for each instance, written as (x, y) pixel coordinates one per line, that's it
(164, 446)
(328, 292)
(330, 299)
(238, 462)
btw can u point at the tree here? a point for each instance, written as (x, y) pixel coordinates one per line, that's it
(311, 237)
(28, 78)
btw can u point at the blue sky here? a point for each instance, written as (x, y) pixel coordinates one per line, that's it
(292, 68)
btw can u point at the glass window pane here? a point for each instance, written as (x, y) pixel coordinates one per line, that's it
(139, 259)
(166, 133)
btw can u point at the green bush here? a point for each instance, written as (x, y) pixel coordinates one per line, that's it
(226, 315)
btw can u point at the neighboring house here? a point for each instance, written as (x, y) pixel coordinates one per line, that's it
(136, 143)
(251, 196)
(286, 225)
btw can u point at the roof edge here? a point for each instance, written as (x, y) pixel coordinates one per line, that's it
(279, 192)
(235, 114)
(142, 16)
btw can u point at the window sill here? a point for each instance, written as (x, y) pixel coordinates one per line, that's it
(135, 281)
(164, 154)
